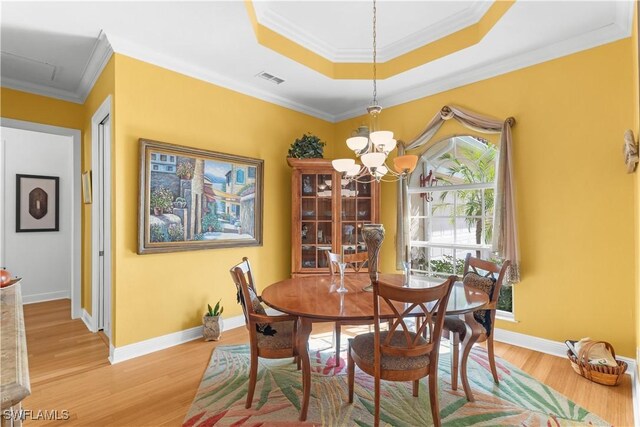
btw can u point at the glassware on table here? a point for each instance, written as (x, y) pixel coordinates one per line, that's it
(342, 267)
(406, 265)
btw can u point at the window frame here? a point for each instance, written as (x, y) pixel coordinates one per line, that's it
(427, 214)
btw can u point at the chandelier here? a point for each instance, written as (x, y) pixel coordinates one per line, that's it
(373, 147)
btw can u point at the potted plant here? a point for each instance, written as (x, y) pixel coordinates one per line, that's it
(307, 147)
(161, 200)
(212, 322)
(185, 169)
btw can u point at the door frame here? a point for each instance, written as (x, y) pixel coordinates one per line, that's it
(98, 117)
(76, 203)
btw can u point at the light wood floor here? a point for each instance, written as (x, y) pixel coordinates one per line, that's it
(69, 370)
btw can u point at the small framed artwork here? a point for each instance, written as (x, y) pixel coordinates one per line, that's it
(37, 203)
(86, 187)
(194, 199)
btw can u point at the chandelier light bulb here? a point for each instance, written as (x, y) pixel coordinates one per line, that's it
(343, 165)
(373, 160)
(380, 171)
(357, 143)
(353, 170)
(406, 163)
(381, 137)
(389, 145)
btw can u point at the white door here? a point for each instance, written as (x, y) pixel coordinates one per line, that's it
(103, 316)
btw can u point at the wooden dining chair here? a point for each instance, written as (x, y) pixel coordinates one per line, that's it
(271, 337)
(488, 277)
(355, 262)
(398, 354)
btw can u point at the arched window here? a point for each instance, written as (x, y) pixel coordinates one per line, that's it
(451, 205)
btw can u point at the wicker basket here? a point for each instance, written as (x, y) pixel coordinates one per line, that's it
(601, 374)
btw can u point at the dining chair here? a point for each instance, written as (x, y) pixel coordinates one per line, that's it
(398, 354)
(488, 277)
(355, 262)
(271, 337)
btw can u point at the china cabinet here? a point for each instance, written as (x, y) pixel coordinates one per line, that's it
(328, 213)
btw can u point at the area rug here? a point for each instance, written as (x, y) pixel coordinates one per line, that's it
(519, 400)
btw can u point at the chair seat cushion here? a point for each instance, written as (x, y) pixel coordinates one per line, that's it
(487, 285)
(281, 338)
(362, 346)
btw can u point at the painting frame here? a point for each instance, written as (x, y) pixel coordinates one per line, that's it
(31, 216)
(214, 213)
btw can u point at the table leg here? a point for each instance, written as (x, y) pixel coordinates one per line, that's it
(474, 330)
(304, 330)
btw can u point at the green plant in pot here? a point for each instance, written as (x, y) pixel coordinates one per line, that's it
(308, 146)
(212, 322)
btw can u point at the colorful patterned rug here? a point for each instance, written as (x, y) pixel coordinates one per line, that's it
(519, 400)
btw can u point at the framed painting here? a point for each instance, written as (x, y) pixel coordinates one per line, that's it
(37, 203)
(194, 199)
(86, 187)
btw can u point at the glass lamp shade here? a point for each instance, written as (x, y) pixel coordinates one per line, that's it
(353, 170)
(373, 160)
(343, 165)
(357, 143)
(389, 145)
(406, 163)
(381, 137)
(380, 172)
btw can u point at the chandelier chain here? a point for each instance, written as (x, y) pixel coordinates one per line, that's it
(375, 86)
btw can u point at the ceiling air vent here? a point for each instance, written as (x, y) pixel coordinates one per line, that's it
(270, 77)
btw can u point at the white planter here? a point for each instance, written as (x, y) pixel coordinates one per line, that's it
(212, 328)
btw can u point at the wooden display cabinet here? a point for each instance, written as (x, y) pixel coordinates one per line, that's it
(327, 214)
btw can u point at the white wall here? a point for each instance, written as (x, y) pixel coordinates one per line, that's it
(42, 259)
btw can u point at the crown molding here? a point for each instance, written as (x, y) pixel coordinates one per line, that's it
(38, 89)
(607, 34)
(98, 59)
(133, 50)
(442, 28)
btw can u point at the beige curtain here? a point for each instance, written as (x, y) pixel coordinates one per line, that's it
(505, 230)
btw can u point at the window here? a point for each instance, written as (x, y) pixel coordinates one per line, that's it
(170, 168)
(251, 173)
(153, 156)
(451, 197)
(163, 157)
(240, 176)
(155, 167)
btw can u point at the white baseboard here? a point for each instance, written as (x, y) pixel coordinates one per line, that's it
(120, 354)
(544, 345)
(47, 296)
(88, 320)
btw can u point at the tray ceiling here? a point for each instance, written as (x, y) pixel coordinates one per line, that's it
(58, 48)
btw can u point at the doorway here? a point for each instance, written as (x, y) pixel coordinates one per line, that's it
(38, 149)
(101, 290)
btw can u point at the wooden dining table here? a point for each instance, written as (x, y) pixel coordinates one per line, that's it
(314, 299)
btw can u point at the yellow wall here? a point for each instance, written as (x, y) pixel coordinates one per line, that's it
(104, 86)
(636, 131)
(574, 197)
(575, 209)
(39, 109)
(162, 293)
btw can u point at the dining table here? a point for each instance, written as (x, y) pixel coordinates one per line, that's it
(315, 299)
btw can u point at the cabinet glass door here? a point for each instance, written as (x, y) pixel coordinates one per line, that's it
(357, 205)
(316, 236)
